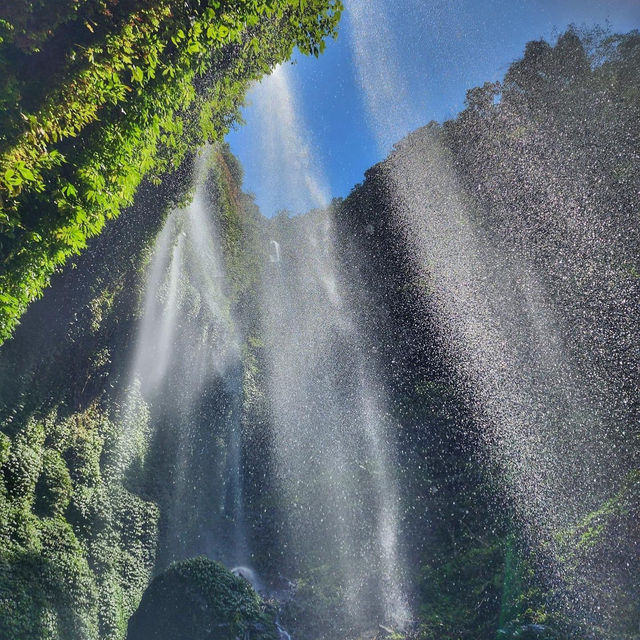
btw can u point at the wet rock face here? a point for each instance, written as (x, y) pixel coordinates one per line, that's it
(198, 599)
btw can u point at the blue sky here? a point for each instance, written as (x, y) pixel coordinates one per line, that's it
(396, 65)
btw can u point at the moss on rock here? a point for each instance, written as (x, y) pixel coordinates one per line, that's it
(200, 600)
(53, 489)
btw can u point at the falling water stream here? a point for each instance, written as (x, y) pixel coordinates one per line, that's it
(333, 444)
(333, 447)
(187, 370)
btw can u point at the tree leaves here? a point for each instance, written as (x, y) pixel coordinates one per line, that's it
(112, 115)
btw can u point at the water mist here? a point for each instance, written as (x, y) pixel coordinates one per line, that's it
(333, 444)
(519, 336)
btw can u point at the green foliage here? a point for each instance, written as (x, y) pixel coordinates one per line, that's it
(55, 409)
(53, 489)
(196, 599)
(75, 551)
(601, 564)
(5, 448)
(241, 230)
(149, 84)
(23, 467)
(459, 597)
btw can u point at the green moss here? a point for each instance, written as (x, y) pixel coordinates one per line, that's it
(199, 599)
(53, 489)
(461, 596)
(49, 581)
(75, 551)
(22, 468)
(5, 448)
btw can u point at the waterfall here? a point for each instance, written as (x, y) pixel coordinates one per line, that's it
(333, 444)
(301, 186)
(332, 438)
(186, 372)
(332, 441)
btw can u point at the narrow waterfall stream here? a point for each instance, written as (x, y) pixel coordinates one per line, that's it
(187, 369)
(334, 447)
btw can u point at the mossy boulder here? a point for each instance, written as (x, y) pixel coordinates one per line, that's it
(198, 599)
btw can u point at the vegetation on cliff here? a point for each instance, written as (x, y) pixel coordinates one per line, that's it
(104, 94)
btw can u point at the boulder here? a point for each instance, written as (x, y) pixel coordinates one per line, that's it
(198, 599)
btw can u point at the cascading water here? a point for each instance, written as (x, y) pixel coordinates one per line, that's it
(503, 333)
(278, 138)
(187, 371)
(333, 449)
(332, 440)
